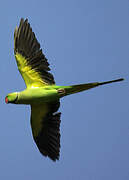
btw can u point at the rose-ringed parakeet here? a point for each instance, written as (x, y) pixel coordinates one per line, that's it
(41, 92)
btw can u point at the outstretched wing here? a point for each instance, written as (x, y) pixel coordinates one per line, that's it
(31, 62)
(45, 123)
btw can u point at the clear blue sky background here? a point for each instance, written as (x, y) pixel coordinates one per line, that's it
(84, 41)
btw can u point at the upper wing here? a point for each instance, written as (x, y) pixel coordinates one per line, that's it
(31, 62)
(45, 125)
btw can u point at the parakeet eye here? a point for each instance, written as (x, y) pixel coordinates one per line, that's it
(6, 100)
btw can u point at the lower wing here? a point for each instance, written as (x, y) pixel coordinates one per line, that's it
(45, 123)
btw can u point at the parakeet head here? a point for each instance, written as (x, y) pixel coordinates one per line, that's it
(11, 98)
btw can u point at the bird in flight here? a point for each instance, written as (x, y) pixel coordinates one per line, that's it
(41, 92)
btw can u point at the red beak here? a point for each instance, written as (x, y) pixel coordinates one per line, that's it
(6, 100)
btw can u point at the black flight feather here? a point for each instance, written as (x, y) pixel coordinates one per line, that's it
(48, 139)
(27, 45)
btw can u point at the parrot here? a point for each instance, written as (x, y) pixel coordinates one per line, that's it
(41, 93)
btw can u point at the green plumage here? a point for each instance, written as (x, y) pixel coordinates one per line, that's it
(41, 93)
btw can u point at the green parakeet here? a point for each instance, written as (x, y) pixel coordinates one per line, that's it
(41, 92)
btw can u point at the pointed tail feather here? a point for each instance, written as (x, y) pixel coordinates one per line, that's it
(83, 87)
(107, 82)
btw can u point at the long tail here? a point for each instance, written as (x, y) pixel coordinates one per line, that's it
(83, 87)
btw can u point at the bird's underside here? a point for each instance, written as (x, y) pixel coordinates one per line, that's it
(41, 92)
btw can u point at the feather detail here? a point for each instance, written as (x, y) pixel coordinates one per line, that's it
(45, 123)
(29, 56)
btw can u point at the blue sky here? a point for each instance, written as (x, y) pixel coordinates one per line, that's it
(84, 41)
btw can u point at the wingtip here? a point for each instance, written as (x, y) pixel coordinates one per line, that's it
(15, 31)
(24, 20)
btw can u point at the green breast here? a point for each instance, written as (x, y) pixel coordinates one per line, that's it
(37, 95)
